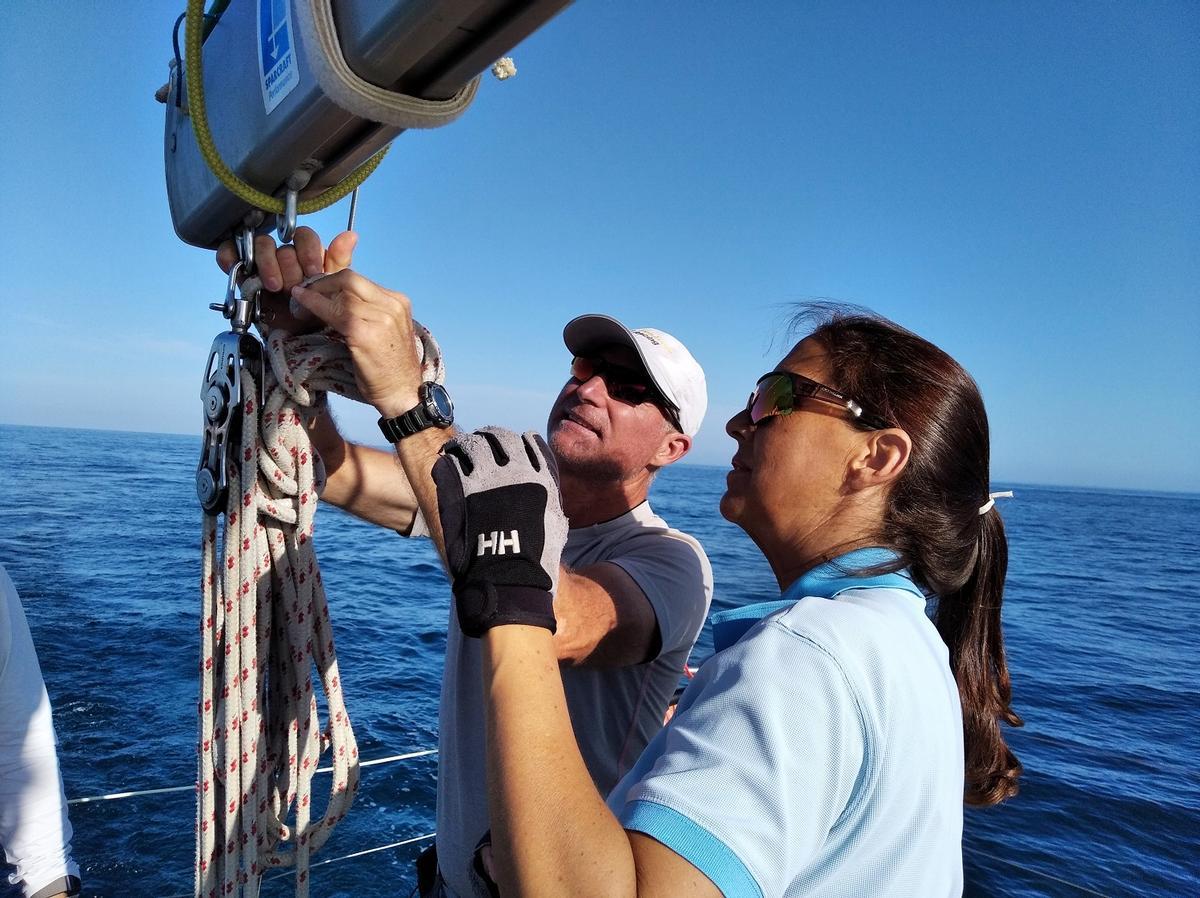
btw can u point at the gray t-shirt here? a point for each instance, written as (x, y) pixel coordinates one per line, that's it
(615, 711)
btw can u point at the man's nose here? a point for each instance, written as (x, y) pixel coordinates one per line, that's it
(594, 389)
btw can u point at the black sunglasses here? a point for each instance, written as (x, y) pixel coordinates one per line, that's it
(626, 384)
(778, 392)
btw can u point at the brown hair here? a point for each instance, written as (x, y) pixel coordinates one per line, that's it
(933, 522)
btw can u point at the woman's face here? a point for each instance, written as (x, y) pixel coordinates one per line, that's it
(788, 476)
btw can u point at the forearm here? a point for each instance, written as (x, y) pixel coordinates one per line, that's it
(552, 834)
(417, 455)
(372, 485)
(368, 483)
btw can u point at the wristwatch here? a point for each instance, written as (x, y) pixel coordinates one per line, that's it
(433, 410)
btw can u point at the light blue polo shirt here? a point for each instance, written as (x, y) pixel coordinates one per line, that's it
(819, 751)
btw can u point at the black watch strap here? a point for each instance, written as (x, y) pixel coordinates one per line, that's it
(433, 409)
(412, 421)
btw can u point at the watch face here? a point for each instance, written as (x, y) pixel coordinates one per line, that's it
(439, 403)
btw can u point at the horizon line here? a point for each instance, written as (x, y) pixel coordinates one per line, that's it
(682, 463)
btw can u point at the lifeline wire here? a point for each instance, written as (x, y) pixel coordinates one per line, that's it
(137, 793)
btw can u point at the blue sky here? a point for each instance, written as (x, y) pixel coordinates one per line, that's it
(1017, 182)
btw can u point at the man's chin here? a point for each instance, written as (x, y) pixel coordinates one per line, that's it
(579, 452)
(569, 438)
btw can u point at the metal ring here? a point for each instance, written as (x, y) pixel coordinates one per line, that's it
(235, 271)
(245, 247)
(286, 223)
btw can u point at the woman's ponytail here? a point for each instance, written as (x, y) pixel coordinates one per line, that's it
(933, 520)
(969, 623)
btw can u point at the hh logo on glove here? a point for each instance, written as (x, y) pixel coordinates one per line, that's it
(504, 526)
(497, 543)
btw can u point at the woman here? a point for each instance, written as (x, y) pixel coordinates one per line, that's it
(823, 749)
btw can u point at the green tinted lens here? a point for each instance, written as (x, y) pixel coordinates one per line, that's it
(772, 396)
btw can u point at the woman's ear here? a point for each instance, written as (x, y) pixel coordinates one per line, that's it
(881, 458)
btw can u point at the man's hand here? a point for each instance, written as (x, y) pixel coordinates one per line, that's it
(362, 480)
(283, 267)
(377, 327)
(504, 528)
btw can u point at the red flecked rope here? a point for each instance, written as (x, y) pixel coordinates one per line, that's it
(265, 625)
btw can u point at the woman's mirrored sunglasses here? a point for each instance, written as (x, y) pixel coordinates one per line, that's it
(626, 384)
(778, 393)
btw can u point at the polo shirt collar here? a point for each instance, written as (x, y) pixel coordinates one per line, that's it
(827, 580)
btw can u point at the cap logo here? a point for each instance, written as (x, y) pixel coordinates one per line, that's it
(656, 339)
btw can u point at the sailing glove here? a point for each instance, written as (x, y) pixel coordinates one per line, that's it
(502, 518)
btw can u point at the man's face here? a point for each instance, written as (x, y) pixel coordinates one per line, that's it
(595, 435)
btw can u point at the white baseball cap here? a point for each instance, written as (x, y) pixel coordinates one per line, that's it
(677, 375)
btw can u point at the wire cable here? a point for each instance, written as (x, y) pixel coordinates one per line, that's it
(113, 796)
(1012, 863)
(334, 860)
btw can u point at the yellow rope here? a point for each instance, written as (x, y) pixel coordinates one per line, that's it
(208, 149)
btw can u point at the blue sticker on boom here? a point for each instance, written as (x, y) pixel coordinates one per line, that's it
(276, 52)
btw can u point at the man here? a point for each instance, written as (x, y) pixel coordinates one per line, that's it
(35, 832)
(632, 595)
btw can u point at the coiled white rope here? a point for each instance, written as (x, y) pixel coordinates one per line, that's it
(265, 624)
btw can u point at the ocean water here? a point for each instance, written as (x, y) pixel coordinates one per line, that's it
(100, 533)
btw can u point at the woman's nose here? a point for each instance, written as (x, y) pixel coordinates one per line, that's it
(739, 426)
